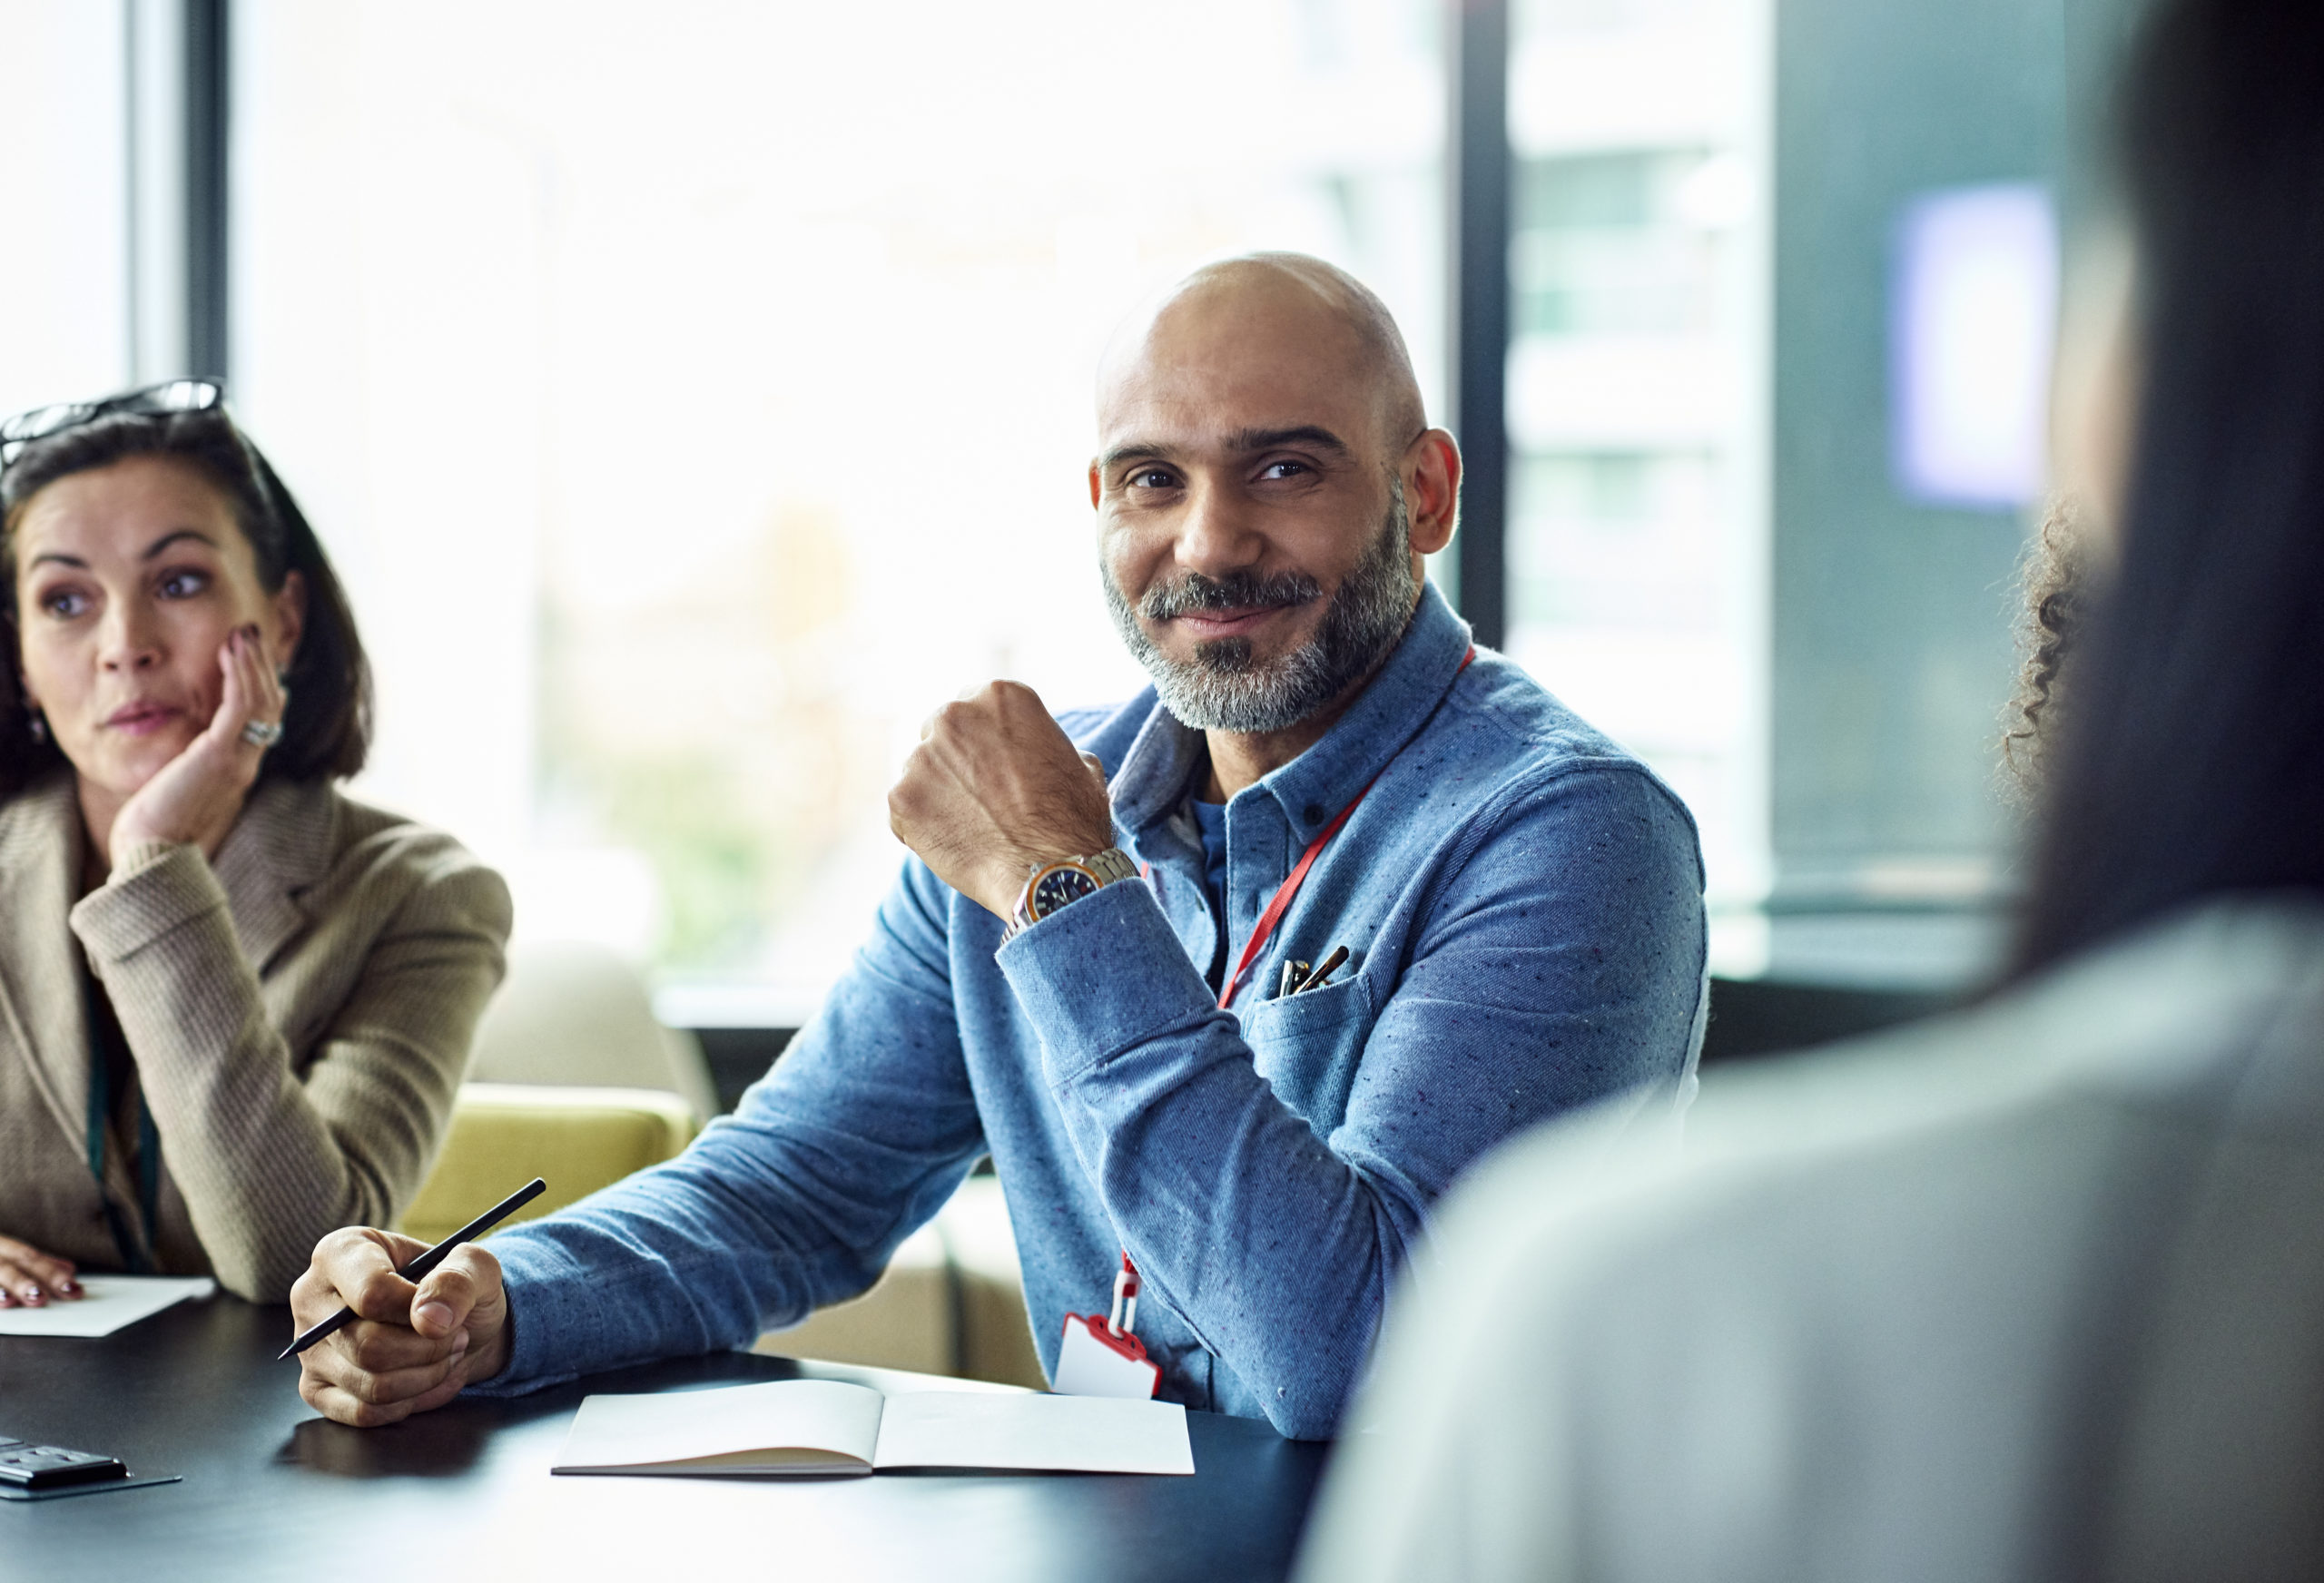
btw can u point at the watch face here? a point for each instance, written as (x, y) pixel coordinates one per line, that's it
(1059, 886)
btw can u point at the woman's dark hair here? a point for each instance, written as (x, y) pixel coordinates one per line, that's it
(326, 727)
(2192, 763)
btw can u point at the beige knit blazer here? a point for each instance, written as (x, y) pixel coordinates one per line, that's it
(300, 1013)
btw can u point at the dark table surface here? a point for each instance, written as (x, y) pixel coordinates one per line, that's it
(271, 1491)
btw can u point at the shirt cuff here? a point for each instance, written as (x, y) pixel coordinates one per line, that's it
(1101, 975)
(549, 1295)
(161, 887)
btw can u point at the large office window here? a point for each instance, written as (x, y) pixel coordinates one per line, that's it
(65, 309)
(697, 395)
(1636, 539)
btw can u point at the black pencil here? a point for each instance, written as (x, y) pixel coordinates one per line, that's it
(419, 1268)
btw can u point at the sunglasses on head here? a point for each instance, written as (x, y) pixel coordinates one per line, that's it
(169, 397)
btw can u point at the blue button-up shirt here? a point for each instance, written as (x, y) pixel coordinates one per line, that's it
(1522, 904)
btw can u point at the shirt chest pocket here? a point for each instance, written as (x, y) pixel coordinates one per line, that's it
(1307, 1046)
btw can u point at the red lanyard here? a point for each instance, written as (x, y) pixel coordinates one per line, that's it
(1281, 903)
(1125, 1283)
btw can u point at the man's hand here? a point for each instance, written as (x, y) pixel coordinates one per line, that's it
(30, 1278)
(414, 1347)
(197, 796)
(994, 791)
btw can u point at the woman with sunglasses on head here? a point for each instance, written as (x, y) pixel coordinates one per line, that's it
(2036, 1290)
(234, 1003)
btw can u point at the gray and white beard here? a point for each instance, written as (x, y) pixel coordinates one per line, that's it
(1221, 688)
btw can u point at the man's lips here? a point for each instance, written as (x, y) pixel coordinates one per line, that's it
(1207, 624)
(142, 719)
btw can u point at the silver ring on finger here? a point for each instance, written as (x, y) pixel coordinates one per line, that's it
(261, 733)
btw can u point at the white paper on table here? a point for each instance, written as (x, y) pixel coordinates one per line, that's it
(1081, 1434)
(796, 1426)
(112, 1303)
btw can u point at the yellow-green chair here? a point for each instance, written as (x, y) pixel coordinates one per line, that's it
(576, 1140)
(952, 1301)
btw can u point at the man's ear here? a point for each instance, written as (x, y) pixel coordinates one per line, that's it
(289, 616)
(1432, 476)
(1095, 488)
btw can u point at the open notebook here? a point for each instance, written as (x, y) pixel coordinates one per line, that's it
(823, 1426)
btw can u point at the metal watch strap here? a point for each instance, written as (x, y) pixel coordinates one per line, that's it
(1109, 866)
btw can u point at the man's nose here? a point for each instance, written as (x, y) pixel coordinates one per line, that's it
(1217, 535)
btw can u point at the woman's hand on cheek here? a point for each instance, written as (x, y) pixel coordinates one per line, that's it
(196, 796)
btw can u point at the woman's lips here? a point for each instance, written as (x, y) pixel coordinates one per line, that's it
(142, 719)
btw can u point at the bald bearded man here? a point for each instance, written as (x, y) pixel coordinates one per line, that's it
(1092, 968)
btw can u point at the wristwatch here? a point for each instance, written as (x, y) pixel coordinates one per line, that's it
(1054, 885)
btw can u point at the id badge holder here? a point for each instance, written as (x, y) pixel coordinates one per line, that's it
(1102, 1357)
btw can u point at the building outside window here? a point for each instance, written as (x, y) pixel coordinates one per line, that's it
(1636, 379)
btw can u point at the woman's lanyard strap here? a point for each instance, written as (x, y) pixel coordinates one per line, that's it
(1281, 901)
(149, 1162)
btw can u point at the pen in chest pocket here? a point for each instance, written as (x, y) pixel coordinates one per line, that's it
(1299, 975)
(1324, 970)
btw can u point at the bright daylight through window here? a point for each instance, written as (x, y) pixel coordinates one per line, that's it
(695, 399)
(67, 332)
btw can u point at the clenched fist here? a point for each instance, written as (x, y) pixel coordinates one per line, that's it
(996, 789)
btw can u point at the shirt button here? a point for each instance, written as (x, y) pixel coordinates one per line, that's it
(1312, 813)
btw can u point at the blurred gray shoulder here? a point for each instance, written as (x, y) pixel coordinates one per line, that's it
(2173, 1018)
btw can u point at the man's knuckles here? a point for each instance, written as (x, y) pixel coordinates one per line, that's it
(364, 1414)
(375, 1348)
(380, 1293)
(369, 1389)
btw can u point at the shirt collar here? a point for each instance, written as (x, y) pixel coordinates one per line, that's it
(1327, 777)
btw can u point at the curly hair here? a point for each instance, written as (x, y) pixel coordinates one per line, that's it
(2053, 578)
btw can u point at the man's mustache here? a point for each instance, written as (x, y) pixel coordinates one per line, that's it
(1242, 591)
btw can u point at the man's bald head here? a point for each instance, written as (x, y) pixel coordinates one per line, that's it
(1291, 301)
(1266, 487)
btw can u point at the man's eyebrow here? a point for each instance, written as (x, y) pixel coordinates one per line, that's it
(1135, 451)
(167, 539)
(1247, 440)
(1242, 442)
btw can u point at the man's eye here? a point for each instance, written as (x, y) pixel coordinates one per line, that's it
(1151, 478)
(1283, 469)
(184, 585)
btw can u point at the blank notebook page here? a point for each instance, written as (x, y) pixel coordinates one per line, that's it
(1086, 1434)
(699, 1426)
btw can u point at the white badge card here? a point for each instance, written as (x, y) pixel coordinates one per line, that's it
(1094, 1363)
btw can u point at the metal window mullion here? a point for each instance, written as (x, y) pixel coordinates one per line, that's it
(206, 102)
(177, 110)
(1480, 183)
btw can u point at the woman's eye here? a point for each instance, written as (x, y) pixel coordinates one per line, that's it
(65, 604)
(184, 585)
